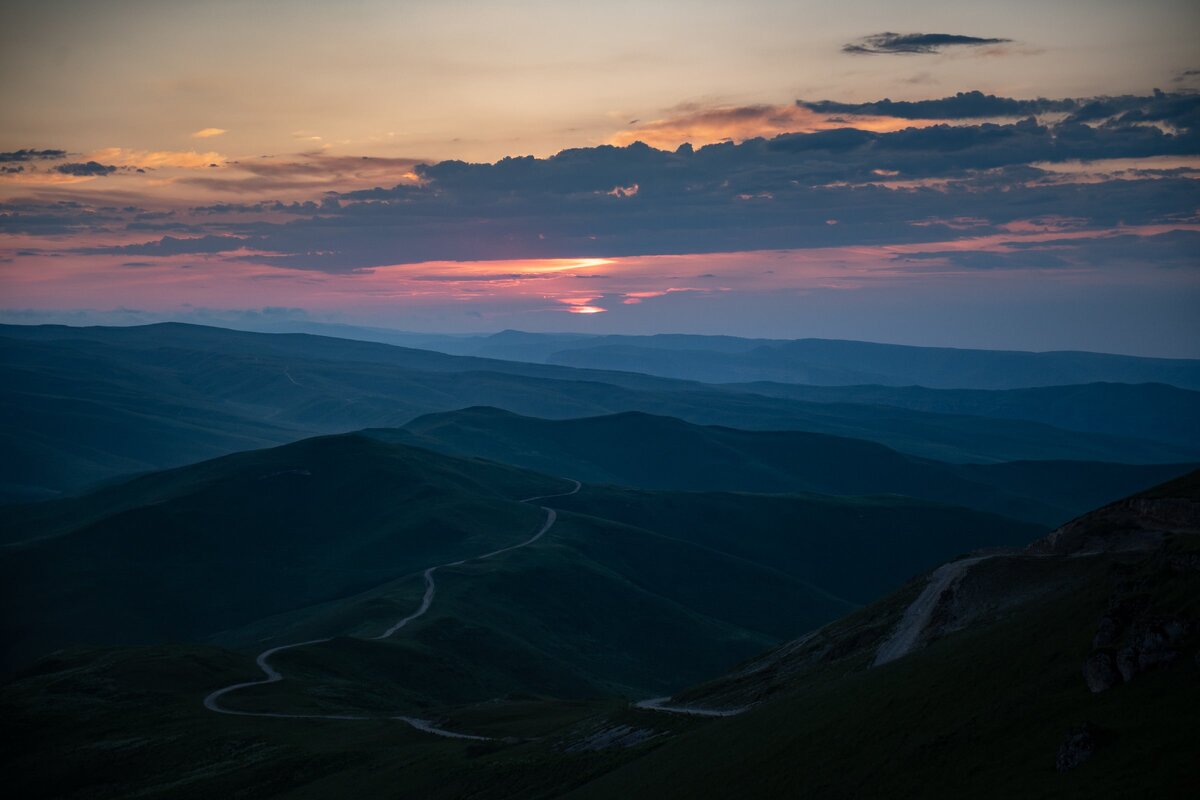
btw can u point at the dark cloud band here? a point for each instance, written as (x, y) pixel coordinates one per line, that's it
(915, 43)
(86, 169)
(964, 105)
(31, 155)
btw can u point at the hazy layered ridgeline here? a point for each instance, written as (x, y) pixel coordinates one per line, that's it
(689, 550)
(87, 404)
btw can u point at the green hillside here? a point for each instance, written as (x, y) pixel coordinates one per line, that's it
(991, 698)
(327, 537)
(1006, 693)
(186, 553)
(855, 544)
(643, 450)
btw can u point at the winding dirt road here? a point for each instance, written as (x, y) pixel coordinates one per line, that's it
(916, 617)
(661, 704)
(272, 675)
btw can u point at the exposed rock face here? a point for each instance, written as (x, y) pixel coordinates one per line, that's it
(1128, 643)
(1100, 671)
(1080, 744)
(1127, 663)
(1136, 523)
(613, 736)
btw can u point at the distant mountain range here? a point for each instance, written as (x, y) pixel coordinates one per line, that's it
(822, 362)
(438, 575)
(83, 405)
(643, 450)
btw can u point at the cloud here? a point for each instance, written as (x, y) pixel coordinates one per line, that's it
(964, 105)
(1169, 250)
(700, 125)
(52, 219)
(155, 159)
(172, 246)
(86, 169)
(31, 155)
(689, 203)
(905, 186)
(208, 133)
(915, 43)
(312, 171)
(277, 207)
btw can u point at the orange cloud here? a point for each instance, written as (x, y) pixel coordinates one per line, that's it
(700, 125)
(154, 159)
(208, 133)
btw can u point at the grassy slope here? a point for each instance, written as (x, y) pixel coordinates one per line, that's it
(327, 538)
(274, 530)
(859, 547)
(981, 711)
(128, 722)
(648, 451)
(594, 609)
(672, 588)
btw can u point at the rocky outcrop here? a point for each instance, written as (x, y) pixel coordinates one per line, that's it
(1078, 747)
(1136, 523)
(1129, 641)
(1100, 671)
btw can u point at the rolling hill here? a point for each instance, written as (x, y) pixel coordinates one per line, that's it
(329, 536)
(275, 530)
(1061, 669)
(838, 362)
(82, 405)
(1119, 409)
(824, 362)
(643, 450)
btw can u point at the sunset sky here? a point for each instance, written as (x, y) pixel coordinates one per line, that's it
(1019, 174)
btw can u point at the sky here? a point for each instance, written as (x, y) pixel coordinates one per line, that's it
(1018, 175)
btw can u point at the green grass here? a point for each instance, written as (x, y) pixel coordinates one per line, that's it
(128, 722)
(653, 452)
(184, 554)
(979, 713)
(856, 548)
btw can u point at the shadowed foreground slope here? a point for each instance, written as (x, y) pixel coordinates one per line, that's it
(1068, 669)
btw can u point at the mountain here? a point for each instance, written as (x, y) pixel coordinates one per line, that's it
(275, 530)
(83, 405)
(1060, 670)
(643, 450)
(823, 362)
(837, 362)
(1153, 411)
(329, 536)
